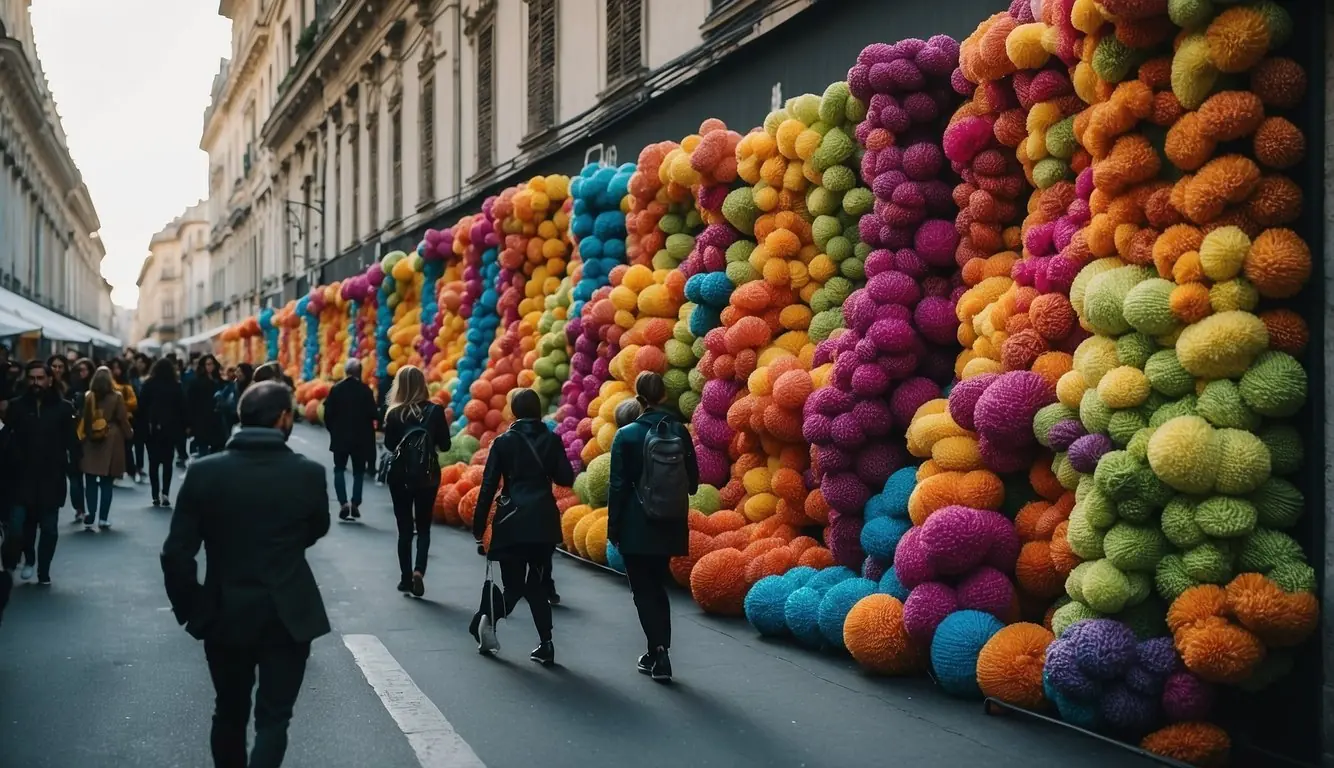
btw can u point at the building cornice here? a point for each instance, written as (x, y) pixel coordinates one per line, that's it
(255, 47)
(16, 72)
(341, 35)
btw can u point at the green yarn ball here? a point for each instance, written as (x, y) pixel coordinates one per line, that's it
(1243, 462)
(1178, 523)
(1221, 405)
(1266, 549)
(1125, 424)
(1069, 614)
(1135, 349)
(1226, 517)
(1093, 412)
(1171, 578)
(1275, 385)
(1047, 417)
(1166, 374)
(1148, 307)
(1209, 563)
(1278, 503)
(1105, 588)
(1183, 406)
(1286, 448)
(1117, 475)
(1134, 547)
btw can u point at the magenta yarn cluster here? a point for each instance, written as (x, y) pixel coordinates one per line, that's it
(589, 369)
(959, 559)
(1000, 409)
(713, 436)
(1133, 686)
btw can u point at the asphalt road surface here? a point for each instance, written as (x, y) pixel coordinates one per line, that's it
(95, 672)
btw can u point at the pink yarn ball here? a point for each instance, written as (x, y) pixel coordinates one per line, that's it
(877, 462)
(964, 396)
(911, 564)
(844, 539)
(909, 396)
(1005, 410)
(845, 492)
(936, 241)
(927, 605)
(955, 539)
(986, 589)
(935, 320)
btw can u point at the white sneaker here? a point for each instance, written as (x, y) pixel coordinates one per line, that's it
(26, 572)
(487, 631)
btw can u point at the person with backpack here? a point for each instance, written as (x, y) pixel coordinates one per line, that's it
(105, 431)
(653, 474)
(129, 392)
(414, 431)
(525, 526)
(162, 419)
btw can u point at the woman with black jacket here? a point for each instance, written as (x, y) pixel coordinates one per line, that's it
(413, 422)
(526, 525)
(61, 381)
(646, 544)
(204, 420)
(162, 418)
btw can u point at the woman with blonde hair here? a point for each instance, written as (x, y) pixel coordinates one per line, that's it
(414, 430)
(104, 429)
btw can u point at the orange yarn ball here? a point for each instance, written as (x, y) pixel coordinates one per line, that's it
(1202, 744)
(816, 557)
(1009, 667)
(718, 582)
(1287, 331)
(1036, 573)
(1279, 263)
(873, 633)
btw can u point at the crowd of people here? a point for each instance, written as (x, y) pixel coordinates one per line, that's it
(72, 426)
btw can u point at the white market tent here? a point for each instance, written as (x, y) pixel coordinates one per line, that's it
(199, 338)
(13, 325)
(51, 324)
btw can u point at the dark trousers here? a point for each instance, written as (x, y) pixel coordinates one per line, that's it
(358, 475)
(281, 668)
(648, 576)
(76, 489)
(27, 523)
(412, 511)
(134, 456)
(180, 450)
(159, 468)
(525, 572)
(97, 491)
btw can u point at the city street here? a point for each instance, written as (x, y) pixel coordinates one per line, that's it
(95, 672)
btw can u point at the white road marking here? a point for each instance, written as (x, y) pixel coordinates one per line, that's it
(432, 738)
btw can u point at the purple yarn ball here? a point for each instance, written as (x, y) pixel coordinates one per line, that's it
(988, 590)
(1063, 433)
(1085, 451)
(927, 605)
(1104, 648)
(1187, 698)
(964, 396)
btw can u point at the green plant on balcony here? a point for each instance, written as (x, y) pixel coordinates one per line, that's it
(306, 43)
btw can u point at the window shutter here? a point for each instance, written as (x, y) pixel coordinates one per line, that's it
(625, 32)
(428, 140)
(486, 97)
(614, 62)
(373, 172)
(356, 184)
(396, 160)
(541, 65)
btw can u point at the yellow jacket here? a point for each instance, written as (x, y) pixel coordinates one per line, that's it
(127, 394)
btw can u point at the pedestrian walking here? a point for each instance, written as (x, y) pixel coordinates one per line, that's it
(61, 381)
(105, 431)
(349, 415)
(44, 446)
(163, 417)
(128, 393)
(180, 441)
(653, 473)
(206, 425)
(414, 430)
(255, 508)
(525, 528)
(139, 366)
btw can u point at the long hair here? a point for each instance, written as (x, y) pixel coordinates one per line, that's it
(409, 389)
(102, 384)
(60, 382)
(201, 371)
(117, 368)
(75, 371)
(164, 370)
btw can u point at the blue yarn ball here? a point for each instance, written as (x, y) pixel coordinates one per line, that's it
(765, 605)
(880, 536)
(581, 226)
(590, 248)
(610, 225)
(890, 585)
(898, 488)
(614, 559)
(828, 577)
(836, 604)
(704, 319)
(1085, 716)
(801, 612)
(954, 650)
(799, 576)
(614, 250)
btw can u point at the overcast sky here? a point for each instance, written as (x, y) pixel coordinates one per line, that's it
(131, 79)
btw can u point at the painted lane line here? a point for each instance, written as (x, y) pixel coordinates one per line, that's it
(432, 738)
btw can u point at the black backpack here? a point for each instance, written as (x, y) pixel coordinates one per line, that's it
(663, 487)
(415, 464)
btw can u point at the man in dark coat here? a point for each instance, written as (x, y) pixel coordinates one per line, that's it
(44, 446)
(256, 507)
(349, 415)
(647, 546)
